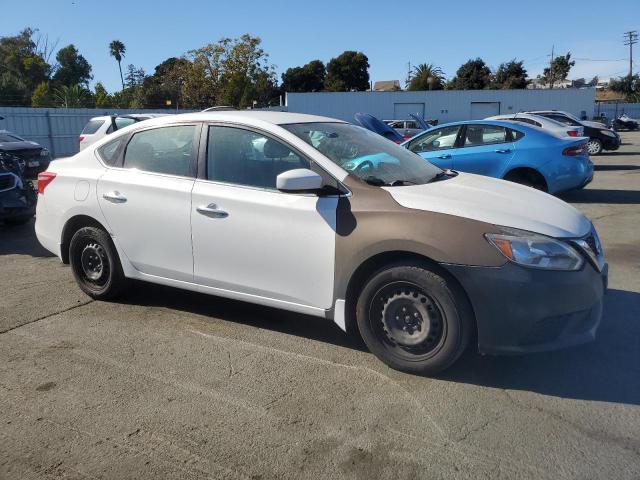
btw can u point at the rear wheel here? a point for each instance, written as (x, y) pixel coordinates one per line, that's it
(529, 178)
(95, 263)
(594, 146)
(413, 319)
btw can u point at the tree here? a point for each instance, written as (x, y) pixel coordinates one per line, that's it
(473, 75)
(73, 96)
(232, 72)
(134, 77)
(165, 84)
(41, 96)
(308, 78)
(558, 70)
(117, 50)
(511, 75)
(101, 97)
(72, 69)
(594, 81)
(628, 86)
(426, 76)
(22, 68)
(347, 72)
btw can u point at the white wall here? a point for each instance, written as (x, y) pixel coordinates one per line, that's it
(444, 105)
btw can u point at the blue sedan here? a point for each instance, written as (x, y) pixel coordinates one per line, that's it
(519, 153)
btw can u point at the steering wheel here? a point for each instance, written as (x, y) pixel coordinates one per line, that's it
(363, 165)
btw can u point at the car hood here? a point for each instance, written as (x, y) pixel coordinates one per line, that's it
(25, 145)
(497, 202)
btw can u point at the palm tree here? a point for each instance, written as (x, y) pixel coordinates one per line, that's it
(116, 50)
(426, 76)
(73, 96)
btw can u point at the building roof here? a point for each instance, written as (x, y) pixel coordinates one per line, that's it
(386, 85)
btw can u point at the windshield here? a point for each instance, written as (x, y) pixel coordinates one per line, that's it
(365, 154)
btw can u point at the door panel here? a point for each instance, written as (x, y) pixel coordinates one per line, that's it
(149, 216)
(271, 244)
(486, 150)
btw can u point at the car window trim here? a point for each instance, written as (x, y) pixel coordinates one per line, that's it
(202, 159)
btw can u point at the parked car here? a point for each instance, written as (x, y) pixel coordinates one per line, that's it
(376, 125)
(600, 136)
(504, 149)
(406, 128)
(99, 127)
(317, 216)
(552, 126)
(35, 157)
(624, 122)
(17, 195)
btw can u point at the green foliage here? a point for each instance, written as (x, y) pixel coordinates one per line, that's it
(101, 97)
(74, 96)
(231, 72)
(426, 76)
(22, 68)
(511, 74)
(558, 70)
(42, 96)
(308, 78)
(473, 75)
(117, 51)
(165, 84)
(628, 86)
(73, 68)
(347, 72)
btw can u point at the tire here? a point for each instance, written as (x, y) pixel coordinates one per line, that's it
(437, 322)
(594, 146)
(95, 264)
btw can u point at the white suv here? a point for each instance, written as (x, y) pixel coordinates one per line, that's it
(321, 217)
(99, 127)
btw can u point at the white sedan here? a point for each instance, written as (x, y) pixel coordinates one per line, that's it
(557, 128)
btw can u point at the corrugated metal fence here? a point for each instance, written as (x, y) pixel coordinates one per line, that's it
(614, 110)
(56, 128)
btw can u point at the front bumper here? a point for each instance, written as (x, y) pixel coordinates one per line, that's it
(14, 203)
(523, 310)
(611, 143)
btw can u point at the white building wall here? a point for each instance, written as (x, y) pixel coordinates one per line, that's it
(443, 105)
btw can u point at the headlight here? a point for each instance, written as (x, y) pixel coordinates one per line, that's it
(44, 152)
(608, 133)
(534, 250)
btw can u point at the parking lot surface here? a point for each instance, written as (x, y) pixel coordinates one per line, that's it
(172, 384)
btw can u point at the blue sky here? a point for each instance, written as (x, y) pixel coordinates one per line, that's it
(390, 33)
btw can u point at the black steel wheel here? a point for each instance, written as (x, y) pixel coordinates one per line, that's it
(414, 319)
(95, 263)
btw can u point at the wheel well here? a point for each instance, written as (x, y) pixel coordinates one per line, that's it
(72, 226)
(523, 172)
(388, 259)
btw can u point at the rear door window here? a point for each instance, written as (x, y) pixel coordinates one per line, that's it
(122, 122)
(92, 127)
(168, 150)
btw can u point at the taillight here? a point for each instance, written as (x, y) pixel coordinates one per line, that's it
(44, 179)
(572, 133)
(573, 151)
(80, 138)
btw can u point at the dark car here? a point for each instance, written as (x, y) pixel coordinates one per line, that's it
(17, 196)
(600, 136)
(36, 158)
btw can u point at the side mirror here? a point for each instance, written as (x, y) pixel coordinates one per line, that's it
(300, 180)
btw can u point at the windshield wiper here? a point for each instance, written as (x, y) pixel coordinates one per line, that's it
(378, 182)
(443, 174)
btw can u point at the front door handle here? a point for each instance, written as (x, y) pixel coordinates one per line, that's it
(212, 211)
(114, 197)
(444, 156)
(503, 150)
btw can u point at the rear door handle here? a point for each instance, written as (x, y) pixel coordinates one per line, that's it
(114, 197)
(503, 150)
(212, 211)
(444, 156)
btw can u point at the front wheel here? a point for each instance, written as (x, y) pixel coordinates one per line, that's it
(594, 146)
(413, 319)
(95, 263)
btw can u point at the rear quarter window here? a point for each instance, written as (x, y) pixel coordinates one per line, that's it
(109, 151)
(92, 127)
(516, 134)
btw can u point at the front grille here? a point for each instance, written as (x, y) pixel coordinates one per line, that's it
(27, 153)
(7, 181)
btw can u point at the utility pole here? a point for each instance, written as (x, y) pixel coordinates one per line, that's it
(631, 38)
(408, 75)
(551, 74)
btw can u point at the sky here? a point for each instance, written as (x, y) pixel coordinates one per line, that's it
(391, 34)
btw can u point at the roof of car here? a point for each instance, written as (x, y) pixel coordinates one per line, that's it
(244, 116)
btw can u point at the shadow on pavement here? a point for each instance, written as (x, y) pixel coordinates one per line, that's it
(21, 240)
(606, 370)
(595, 195)
(608, 168)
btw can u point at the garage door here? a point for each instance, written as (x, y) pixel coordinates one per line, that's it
(482, 110)
(401, 111)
